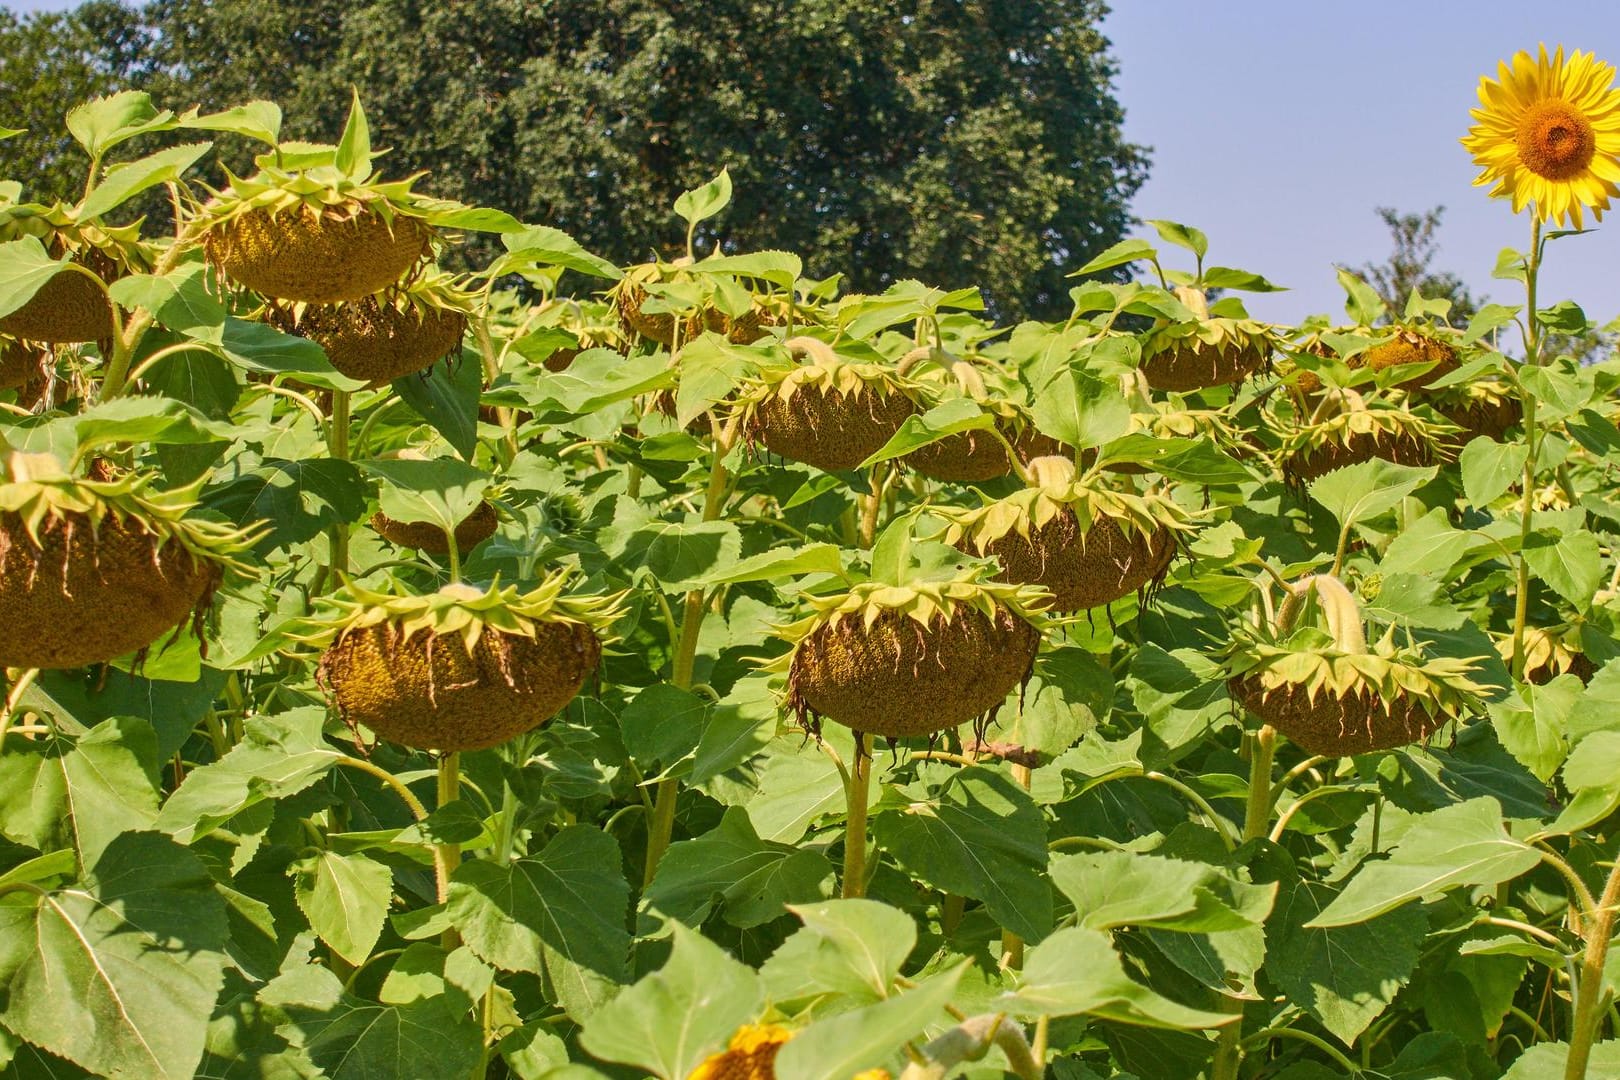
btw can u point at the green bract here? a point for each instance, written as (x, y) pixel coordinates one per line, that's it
(462, 610)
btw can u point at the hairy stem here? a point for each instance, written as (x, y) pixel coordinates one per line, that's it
(1532, 356)
(1591, 998)
(856, 795)
(446, 857)
(661, 826)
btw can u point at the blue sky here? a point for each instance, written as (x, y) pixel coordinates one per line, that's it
(1278, 126)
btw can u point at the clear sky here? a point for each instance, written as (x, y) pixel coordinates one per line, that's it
(1278, 126)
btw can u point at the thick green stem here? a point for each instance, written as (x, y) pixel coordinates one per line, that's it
(1012, 946)
(661, 826)
(870, 506)
(8, 706)
(337, 442)
(1256, 819)
(1532, 357)
(1257, 813)
(1591, 999)
(446, 857)
(856, 795)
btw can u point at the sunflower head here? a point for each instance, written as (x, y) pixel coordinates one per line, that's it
(1548, 134)
(751, 1055)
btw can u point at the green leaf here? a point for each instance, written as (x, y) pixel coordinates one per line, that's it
(794, 791)
(980, 836)
(1347, 976)
(259, 120)
(1225, 277)
(349, 1039)
(120, 974)
(866, 940)
(1197, 461)
(662, 725)
(1111, 889)
(1427, 547)
(354, 148)
(102, 123)
(1462, 844)
(83, 795)
(1531, 723)
(264, 350)
(841, 1046)
(297, 498)
(553, 247)
(1571, 562)
(1545, 1061)
(181, 301)
(598, 378)
(953, 417)
(777, 563)
(680, 1014)
(1077, 972)
(1360, 492)
(1558, 391)
(545, 913)
(1564, 317)
(1081, 411)
(1182, 236)
(711, 367)
(24, 269)
(345, 898)
(750, 881)
(278, 756)
(682, 554)
(1487, 320)
(442, 490)
(446, 396)
(1361, 303)
(781, 268)
(124, 182)
(1589, 772)
(704, 202)
(1490, 468)
(740, 725)
(1118, 255)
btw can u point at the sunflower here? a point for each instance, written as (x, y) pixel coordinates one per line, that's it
(1549, 134)
(751, 1055)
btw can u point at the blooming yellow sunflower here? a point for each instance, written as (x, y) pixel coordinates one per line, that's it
(1549, 134)
(750, 1056)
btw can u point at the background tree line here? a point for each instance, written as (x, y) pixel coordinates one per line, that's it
(958, 141)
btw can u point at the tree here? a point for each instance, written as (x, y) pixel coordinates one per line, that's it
(49, 62)
(1409, 264)
(959, 141)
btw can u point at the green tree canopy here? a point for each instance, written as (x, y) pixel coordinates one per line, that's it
(957, 142)
(49, 62)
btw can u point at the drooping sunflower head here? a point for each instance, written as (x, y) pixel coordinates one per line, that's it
(1548, 134)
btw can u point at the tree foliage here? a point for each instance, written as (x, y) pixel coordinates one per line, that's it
(952, 142)
(1411, 264)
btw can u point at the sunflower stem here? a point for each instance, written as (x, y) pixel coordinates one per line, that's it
(447, 856)
(661, 826)
(337, 442)
(857, 793)
(871, 505)
(1532, 358)
(8, 705)
(1591, 997)
(1256, 817)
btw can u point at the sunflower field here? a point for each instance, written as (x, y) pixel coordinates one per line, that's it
(693, 669)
